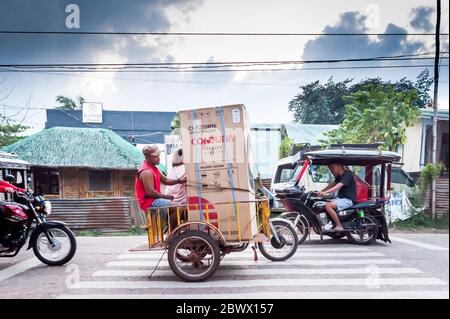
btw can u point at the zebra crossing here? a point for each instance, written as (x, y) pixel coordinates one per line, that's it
(316, 271)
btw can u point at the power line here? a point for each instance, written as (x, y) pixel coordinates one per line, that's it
(404, 57)
(73, 33)
(219, 70)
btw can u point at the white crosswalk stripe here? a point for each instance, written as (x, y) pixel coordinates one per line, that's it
(314, 272)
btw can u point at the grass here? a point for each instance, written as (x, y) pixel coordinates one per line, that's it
(422, 221)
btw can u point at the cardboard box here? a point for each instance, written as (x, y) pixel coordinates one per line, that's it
(236, 222)
(216, 150)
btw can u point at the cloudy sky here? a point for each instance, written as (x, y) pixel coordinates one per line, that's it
(265, 94)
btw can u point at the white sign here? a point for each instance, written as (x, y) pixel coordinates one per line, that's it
(92, 112)
(172, 142)
(399, 207)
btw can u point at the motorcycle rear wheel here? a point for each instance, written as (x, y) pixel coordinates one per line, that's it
(364, 237)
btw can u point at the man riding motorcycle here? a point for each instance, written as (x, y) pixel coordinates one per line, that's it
(6, 187)
(345, 185)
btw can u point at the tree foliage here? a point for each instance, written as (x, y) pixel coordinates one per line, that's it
(175, 123)
(8, 133)
(377, 113)
(285, 147)
(67, 103)
(325, 104)
(320, 104)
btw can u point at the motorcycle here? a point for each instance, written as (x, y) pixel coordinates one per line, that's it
(25, 219)
(363, 223)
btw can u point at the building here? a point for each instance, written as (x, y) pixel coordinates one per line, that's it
(11, 164)
(144, 127)
(266, 140)
(417, 150)
(88, 173)
(79, 162)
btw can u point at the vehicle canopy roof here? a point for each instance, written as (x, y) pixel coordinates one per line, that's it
(351, 154)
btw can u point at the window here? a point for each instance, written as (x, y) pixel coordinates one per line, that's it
(320, 174)
(100, 181)
(47, 181)
(284, 173)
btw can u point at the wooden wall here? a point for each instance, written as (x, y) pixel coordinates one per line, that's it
(442, 205)
(74, 183)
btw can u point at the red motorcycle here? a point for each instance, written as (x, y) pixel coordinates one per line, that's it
(24, 219)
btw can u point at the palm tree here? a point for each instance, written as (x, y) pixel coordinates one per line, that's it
(66, 103)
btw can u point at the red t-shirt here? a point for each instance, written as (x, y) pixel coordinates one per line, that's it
(146, 202)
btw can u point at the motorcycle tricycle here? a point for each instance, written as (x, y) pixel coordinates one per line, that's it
(364, 221)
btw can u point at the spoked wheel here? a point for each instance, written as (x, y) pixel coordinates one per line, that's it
(301, 227)
(194, 255)
(287, 247)
(365, 235)
(59, 249)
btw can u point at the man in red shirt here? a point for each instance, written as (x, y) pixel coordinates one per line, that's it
(148, 184)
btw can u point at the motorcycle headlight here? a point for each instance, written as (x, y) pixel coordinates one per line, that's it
(48, 207)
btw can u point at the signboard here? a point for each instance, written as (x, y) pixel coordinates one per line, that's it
(171, 142)
(92, 112)
(399, 207)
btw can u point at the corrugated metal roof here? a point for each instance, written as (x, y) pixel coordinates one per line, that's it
(125, 123)
(308, 133)
(8, 160)
(265, 126)
(77, 147)
(428, 113)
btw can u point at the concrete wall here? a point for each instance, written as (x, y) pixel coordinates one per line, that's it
(411, 150)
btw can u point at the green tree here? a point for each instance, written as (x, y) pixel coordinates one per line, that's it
(8, 133)
(324, 103)
(175, 123)
(285, 147)
(377, 113)
(66, 103)
(320, 103)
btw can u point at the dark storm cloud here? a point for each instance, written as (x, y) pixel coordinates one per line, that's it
(98, 15)
(421, 18)
(332, 47)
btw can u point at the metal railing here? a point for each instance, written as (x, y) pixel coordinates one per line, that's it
(160, 222)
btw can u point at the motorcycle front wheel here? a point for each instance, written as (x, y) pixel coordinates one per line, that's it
(302, 229)
(57, 251)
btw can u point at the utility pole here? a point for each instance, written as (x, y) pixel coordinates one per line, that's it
(435, 97)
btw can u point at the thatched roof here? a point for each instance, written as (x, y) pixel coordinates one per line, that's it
(77, 147)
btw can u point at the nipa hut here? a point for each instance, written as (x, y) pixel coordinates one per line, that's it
(88, 173)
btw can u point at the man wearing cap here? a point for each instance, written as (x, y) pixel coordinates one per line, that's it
(148, 182)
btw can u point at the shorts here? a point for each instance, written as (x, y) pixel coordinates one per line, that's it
(160, 202)
(342, 203)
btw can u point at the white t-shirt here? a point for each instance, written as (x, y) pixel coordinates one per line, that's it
(178, 191)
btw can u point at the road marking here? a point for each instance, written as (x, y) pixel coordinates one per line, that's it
(250, 255)
(18, 268)
(416, 243)
(300, 282)
(316, 262)
(259, 272)
(301, 248)
(402, 294)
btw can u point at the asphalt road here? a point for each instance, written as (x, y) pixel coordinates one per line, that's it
(413, 266)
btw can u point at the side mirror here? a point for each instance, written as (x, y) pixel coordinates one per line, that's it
(9, 178)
